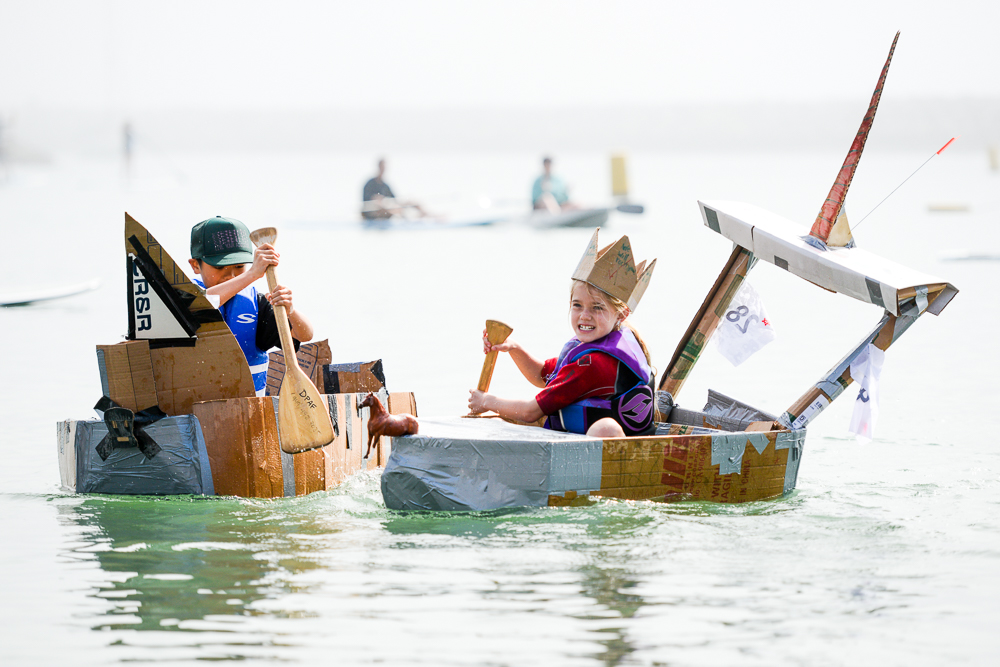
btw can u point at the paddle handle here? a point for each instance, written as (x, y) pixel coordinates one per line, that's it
(281, 317)
(496, 332)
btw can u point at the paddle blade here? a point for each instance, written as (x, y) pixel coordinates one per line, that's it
(264, 235)
(496, 332)
(303, 418)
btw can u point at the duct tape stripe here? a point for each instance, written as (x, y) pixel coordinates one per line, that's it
(921, 299)
(874, 291)
(575, 466)
(712, 219)
(207, 485)
(287, 460)
(793, 442)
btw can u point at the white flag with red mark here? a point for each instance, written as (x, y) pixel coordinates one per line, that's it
(744, 328)
(866, 370)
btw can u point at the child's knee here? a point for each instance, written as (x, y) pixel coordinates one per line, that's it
(606, 428)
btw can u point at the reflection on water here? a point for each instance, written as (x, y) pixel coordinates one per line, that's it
(182, 560)
(252, 579)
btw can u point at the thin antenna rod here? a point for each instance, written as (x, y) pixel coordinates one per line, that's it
(939, 151)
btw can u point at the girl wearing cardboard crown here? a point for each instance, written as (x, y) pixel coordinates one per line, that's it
(601, 382)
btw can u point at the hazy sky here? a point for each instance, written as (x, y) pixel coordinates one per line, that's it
(135, 55)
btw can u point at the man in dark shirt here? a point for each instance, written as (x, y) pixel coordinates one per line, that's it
(377, 190)
(384, 203)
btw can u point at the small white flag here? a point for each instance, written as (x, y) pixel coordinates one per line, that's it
(866, 370)
(744, 328)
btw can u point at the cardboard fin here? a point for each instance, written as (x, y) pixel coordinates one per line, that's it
(586, 264)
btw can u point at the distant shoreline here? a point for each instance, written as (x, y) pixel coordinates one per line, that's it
(902, 124)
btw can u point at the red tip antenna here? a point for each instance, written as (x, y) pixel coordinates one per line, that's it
(906, 179)
(941, 150)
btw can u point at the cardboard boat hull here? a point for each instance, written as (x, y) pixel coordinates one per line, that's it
(455, 467)
(225, 447)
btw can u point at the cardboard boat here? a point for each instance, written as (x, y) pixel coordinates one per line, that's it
(179, 414)
(727, 452)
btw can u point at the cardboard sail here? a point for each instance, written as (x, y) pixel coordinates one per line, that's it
(830, 210)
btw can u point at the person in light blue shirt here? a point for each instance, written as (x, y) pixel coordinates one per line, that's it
(549, 192)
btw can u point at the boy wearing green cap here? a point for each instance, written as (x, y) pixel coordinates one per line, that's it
(227, 266)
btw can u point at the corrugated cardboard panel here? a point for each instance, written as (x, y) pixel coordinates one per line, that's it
(311, 357)
(354, 377)
(213, 369)
(682, 466)
(310, 472)
(241, 437)
(127, 374)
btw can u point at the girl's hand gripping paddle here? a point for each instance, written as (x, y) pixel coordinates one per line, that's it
(496, 333)
(303, 418)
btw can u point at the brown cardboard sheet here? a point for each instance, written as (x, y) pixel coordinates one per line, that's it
(353, 378)
(127, 374)
(311, 357)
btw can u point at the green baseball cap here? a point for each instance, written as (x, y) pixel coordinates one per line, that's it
(221, 242)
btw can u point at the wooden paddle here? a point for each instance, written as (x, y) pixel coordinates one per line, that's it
(303, 418)
(496, 333)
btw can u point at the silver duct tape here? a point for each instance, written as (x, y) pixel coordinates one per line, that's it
(575, 466)
(921, 299)
(346, 368)
(181, 467)
(759, 441)
(486, 464)
(727, 452)
(720, 405)
(794, 441)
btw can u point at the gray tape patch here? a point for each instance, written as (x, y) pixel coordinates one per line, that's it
(781, 263)
(345, 368)
(713, 220)
(792, 441)
(575, 466)
(874, 291)
(727, 452)
(759, 441)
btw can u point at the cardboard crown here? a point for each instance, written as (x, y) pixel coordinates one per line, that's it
(613, 271)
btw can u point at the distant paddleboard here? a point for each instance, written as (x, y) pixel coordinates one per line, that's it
(26, 297)
(970, 256)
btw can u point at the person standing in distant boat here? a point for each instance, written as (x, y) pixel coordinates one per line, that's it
(549, 192)
(378, 200)
(227, 265)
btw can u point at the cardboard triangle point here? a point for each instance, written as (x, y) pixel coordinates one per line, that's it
(840, 233)
(586, 264)
(613, 271)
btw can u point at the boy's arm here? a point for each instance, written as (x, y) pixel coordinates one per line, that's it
(302, 329)
(232, 287)
(263, 256)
